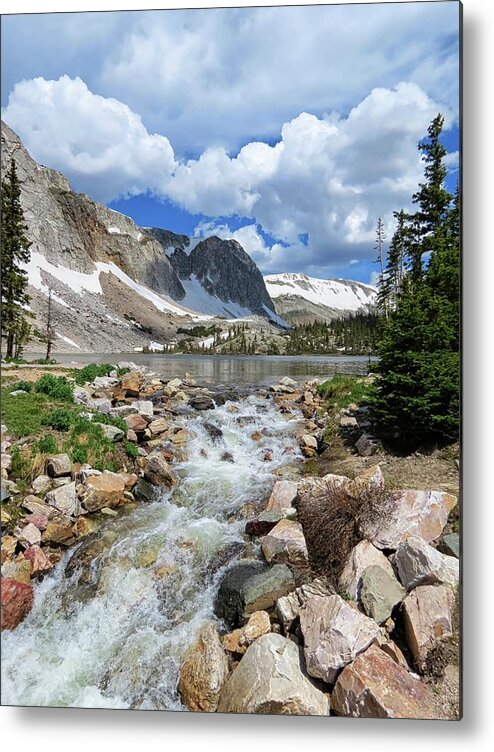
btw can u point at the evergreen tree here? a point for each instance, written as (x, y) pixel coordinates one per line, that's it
(15, 250)
(382, 301)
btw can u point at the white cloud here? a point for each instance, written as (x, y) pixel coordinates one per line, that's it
(99, 144)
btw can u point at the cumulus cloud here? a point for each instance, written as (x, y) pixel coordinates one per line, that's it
(99, 143)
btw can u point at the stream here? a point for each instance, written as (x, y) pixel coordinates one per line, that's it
(111, 633)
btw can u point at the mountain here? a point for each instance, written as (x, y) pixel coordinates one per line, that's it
(300, 299)
(117, 286)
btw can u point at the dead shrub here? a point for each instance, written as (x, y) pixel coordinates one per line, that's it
(333, 516)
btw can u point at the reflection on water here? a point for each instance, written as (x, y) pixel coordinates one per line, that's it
(243, 369)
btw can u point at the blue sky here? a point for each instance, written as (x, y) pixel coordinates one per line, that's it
(291, 129)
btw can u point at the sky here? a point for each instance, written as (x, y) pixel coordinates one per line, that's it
(290, 129)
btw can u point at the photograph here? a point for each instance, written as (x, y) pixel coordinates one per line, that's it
(231, 377)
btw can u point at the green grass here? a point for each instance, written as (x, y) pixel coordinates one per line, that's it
(54, 386)
(92, 370)
(341, 391)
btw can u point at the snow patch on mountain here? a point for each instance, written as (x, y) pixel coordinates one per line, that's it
(338, 294)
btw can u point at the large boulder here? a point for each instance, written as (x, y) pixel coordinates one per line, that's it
(157, 470)
(250, 586)
(289, 606)
(283, 495)
(267, 520)
(204, 671)
(412, 513)
(131, 383)
(428, 619)
(240, 639)
(136, 423)
(16, 602)
(64, 499)
(269, 680)
(285, 544)
(417, 563)
(112, 433)
(19, 570)
(58, 530)
(59, 465)
(29, 535)
(334, 634)
(40, 563)
(375, 686)
(160, 425)
(41, 484)
(363, 555)
(144, 408)
(380, 592)
(100, 491)
(201, 402)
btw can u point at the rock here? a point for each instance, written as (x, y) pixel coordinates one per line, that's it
(82, 527)
(375, 686)
(144, 408)
(250, 586)
(227, 457)
(64, 499)
(363, 555)
(269, 679)
(366, 446)
(17, 392)
(5, 517)
(36, 505)
(132, 436)
(6, 461)
(158, 472)
(288, 607)
(283, 495)
(158, 426)
(287, 381)
(101, 491)
(213, 430)
(18, 570)
(58, 531)
(16, 602)
(201, 402)
(131, 383)
(8, 547)
(59, 465)
(267, 520)
(348, 422)
(239, 640)
(334, 634)
(179, 436)
(112, 433)
(418, 513)
(145, 491)
(427, 615)
(40, 562)
(100, 404)
(285, 544)
(123, 411)
(417, 563)
(59, 482)
(4, 493)
(308, 441)
(380, 592)
(41, 484)
(175, 384)
(204, 671)
(136, 423)
(450, 545)
(29, 535)
(104, 382)
(371, 481)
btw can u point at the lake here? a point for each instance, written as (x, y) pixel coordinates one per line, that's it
(239, 369)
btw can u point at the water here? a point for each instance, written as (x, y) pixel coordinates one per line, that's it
(113, 633)
(243, 369)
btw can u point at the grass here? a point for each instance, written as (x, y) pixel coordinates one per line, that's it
(93, 370)
(341, 391)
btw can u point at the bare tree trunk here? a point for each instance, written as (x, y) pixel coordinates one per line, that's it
(49, 334)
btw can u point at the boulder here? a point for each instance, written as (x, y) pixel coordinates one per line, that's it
(18, 570)
(366, 446)
(112, 433)
(174, 384)
(287, 381)
(101, 491)
(59, 465)
(29, 535)
(309, 442)
(314, 491)
(334, 634)
(370, 482)
(201, 402)
(417, 563)
(250, 586)
(104, 382)
(289, 606)
(418, 513)
(16, 602)
(100, 404)
(428, 619)
(6, 460)
(158, 426)
(131, 383)
(380, 592)
(136, 423)
(64, 499)
(157, 470)
(375, 686)
(8, 548)
(283, 495)
(239, 640)
(40, 563)
(363, 555)
(58, 531)
(450, 545)
(267, 520)
(41, 484)
(123, 411)
(58, 482)
(204, 671)
(285, 544)
(269, 679)
(144, 408)
(36, 505)
(145, 491)
(347, 422)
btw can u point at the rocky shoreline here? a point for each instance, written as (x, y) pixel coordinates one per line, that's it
(369, 636)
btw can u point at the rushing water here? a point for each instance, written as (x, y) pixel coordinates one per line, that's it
(113, 634)
(238, 369)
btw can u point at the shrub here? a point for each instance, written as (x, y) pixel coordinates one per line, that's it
(131, 450)
(47, 445)
(60, 419)
(91, 371)
(56, 387)
(26, 386)
(79, 454)
(109, 420)
(342, 390)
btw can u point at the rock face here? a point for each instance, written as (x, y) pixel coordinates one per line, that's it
(380, 592)
(285, 544)
(251, 586)
(363, 555)
(334, 634)
(418, 513)
(417, 563)
(375, 686)
(16, 602)
(269, 679)
(204, 671)
(427, 613)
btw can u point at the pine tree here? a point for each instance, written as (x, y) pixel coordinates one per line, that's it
(15, 250)
(379, 248)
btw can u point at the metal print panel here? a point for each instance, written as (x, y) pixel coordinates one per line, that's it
(231, 360)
